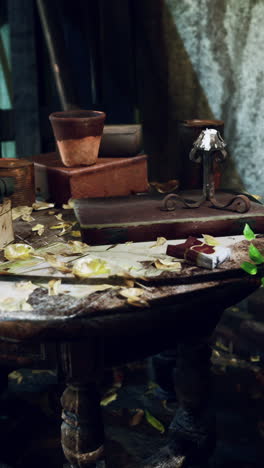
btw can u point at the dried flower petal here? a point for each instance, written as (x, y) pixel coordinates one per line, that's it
(18, 251)
(132, 296)
(54, 286)
(28, 218)
(108, 399)
(16, 376)
(88, 267)
(154, 422)
(78, 247)
(61, 226)
(160, 241)
(56, 263)
(69, 205)
(131, 292)
(161, 264)
(40, 228)
(137, 302)
(40, 205)
(210, 240)
(76, 234)
(19, 211)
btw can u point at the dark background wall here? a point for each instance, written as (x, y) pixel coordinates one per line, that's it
(149, 61)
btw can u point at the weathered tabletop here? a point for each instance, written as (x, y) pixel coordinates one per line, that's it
(177, 310)
(66, 316)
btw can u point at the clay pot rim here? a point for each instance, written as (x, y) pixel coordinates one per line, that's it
(77, 115)
(14, 163)
(201, 122)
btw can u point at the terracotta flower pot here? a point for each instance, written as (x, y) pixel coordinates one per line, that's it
(78, 135)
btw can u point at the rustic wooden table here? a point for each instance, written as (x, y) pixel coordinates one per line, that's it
(90, 333)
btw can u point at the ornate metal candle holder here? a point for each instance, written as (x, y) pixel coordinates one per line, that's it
(207, 149)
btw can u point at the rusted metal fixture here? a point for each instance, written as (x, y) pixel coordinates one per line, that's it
(190, 173)
(208, 149)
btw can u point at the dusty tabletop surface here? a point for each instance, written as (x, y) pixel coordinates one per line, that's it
(79, 297)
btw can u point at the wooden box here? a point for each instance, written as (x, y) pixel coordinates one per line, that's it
(6, 225)
(109, 177)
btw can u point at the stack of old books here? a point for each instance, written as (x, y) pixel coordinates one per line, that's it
(120, 170)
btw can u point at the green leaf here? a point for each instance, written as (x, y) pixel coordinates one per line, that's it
(262, 281)
(255, 255)
(249, 268)
(248, 233)
(154, 422)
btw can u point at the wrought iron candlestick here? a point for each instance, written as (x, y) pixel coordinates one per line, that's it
(207, 149)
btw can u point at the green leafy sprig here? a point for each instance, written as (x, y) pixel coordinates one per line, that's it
(255, 255)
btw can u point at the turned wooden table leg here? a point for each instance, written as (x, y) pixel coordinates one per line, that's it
(82, 427)
(82, 431)
(192, 430)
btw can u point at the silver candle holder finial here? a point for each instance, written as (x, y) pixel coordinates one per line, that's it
(208, 148)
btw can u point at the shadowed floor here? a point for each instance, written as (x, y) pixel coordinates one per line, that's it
(30, 412)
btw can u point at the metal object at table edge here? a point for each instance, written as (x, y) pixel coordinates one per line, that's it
(208, 146)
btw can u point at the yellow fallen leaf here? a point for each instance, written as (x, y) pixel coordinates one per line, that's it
(131, 292)
(19, 211)
(108, 399)
(51, 212)
(61, 226)
(59, 216)
(255, 358)
(53, 287)
(154, 422)
(18, 251)
(78, 247)
(56, 263)
(160, 241)
(76, 234)
(258, 197)
(40, 205)
(137, 301)
(15, 375)
(161, 264)
(88, 267)
(64, 231)
(69, 205)
(210, 240)
(40, 228)
(28, 218)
